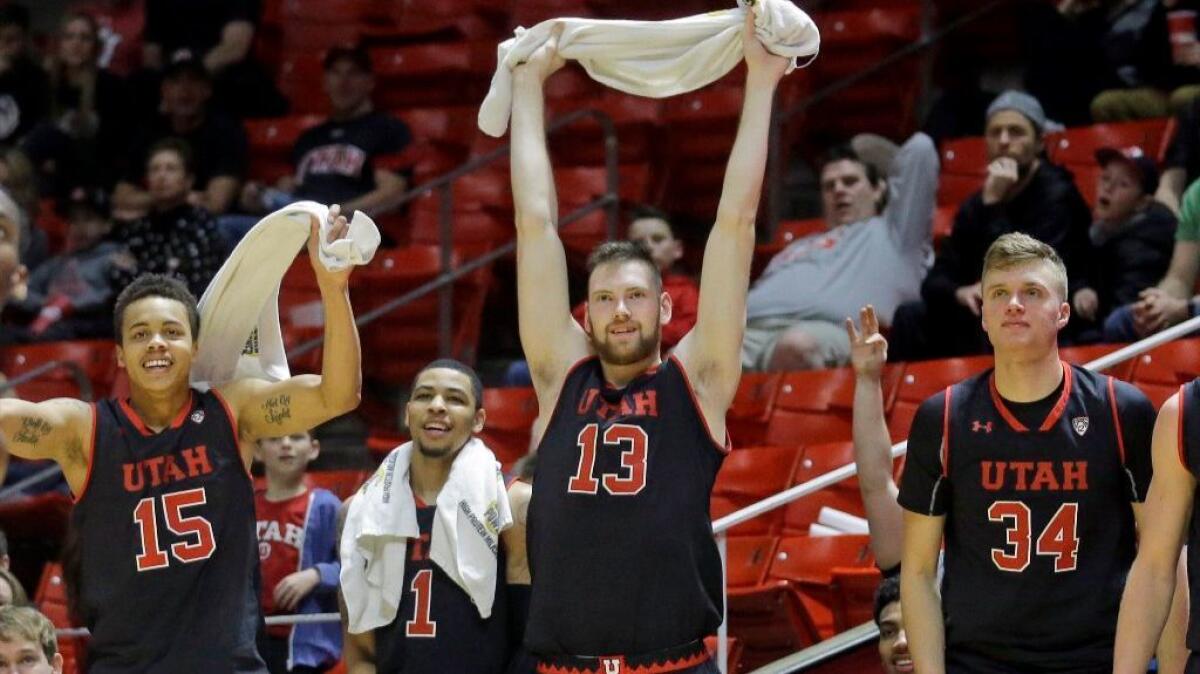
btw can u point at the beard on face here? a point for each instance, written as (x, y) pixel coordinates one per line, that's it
(643, 349)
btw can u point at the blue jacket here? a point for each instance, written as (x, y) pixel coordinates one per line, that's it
(317, 644)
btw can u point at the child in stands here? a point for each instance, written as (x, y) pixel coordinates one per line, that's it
(297, 548)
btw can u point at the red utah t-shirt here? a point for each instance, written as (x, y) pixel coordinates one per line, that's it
(280, 530)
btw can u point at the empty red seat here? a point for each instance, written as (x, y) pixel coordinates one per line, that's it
(1171, 364)
(1078, 145)
(51, 600)
(816, 406)
(510, 416)
(807, 563)
(636, 120)
(748, 476)
(271, 141)
(844, 496)
(434, 74)
(852, 590)
(767, 617)
(1082, 355)
(751, 408)
(922, 379)
(85, 370)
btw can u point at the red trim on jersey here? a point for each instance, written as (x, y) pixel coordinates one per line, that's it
(598, 668)
(233, 426)
(87, 480)
(1052, 418)
(419, 501)
(1179, 448)
(653, 369)
(723, 448)
(1112, 399)
(137, 422)
(946, 431)
(558, 398)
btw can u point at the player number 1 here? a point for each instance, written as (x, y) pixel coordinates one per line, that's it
(1057, 540)
(421, 625)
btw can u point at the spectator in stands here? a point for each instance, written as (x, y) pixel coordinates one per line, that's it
(348, 159)
(19, 180)
(876, 250)
(176, 238)
(12, 593)
(1182, 163)
(1023, 192)
(893, 643)
(121, 25)
(1131, 237)
(27, 642)
(219, 34)
(652, 228)
(298, 553)
(24, 90)
(1171, 301)
(86, 125)
(71, 296)
(872, 443)
(1155, 65)
(12, 272)
(218, 144)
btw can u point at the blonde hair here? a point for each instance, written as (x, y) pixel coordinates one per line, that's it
(25, 623)
(1016, 248)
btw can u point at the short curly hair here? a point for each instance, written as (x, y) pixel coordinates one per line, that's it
(156, 285)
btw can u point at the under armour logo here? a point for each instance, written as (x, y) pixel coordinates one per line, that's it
(1080, 424)
(613, 665)
(977, 426)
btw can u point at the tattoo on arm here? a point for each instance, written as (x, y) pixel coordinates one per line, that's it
(32, 431)
(277, 409)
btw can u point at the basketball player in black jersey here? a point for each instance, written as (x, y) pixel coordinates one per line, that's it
(1171, 520)
(164, 502)
(626, 574)
(437, 628)
(1033, 474)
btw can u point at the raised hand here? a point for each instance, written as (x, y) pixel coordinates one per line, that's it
(338, 229)
(759, 61)
(546, 60)
(868, 349)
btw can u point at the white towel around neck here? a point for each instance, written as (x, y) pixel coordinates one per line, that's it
(656, 59)
(239, 311)
(472, 510)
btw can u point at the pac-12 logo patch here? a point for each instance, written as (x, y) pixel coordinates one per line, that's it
(1080, 424)
(198, 416)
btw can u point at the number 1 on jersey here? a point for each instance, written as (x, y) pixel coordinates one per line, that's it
(421, 625)
(1058, 539)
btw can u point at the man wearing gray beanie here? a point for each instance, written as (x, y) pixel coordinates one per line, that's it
(1022, 192)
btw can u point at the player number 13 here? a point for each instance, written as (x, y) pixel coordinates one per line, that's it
(1057, 540)
(630, 479)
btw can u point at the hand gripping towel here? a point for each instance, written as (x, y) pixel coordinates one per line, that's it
(472, 510)
(239, 311)
(656, 59)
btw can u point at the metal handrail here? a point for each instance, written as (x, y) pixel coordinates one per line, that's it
(775, 164)
(443, 185)
(77, 373)
(822, 651)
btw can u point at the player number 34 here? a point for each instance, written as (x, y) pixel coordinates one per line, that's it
(1057, 540)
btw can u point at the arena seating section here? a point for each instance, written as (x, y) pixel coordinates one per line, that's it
(787, 589)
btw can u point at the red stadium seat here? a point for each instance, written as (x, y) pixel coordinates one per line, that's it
(807, 564)
(1077, 146)
(701, 124)
(923, 379)
(87, 370)
(582, 142)
(510, 416)
(767, 617)
(747, 417)
(404, 339)
(1081, 355)
(748, 476)
(943, 224)
(964, 165)
(843, 496)
(422, 75)
(298, 70)
(301, 316)
(852, 590)
(815, 406)
(51, 600)
(271, 141)
(1171, 364)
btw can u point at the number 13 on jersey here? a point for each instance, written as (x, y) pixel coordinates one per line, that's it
(630, 479)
